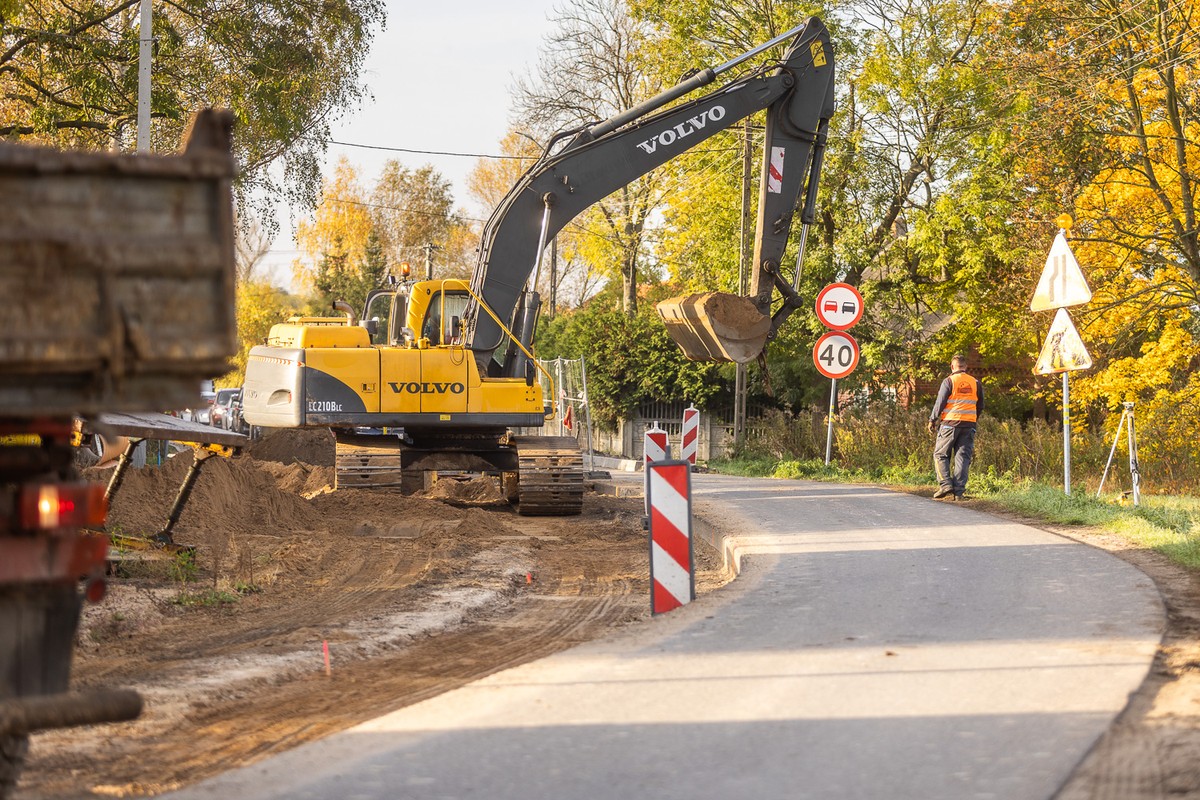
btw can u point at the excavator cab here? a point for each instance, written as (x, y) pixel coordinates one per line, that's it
(444, 312)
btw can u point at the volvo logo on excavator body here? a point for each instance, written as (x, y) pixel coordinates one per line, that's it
(683, 129)
(412, 387)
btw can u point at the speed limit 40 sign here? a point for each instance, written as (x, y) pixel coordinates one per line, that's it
(835, 354)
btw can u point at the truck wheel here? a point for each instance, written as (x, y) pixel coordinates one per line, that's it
(13, 748)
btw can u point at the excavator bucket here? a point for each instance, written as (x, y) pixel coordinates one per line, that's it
(714, 326)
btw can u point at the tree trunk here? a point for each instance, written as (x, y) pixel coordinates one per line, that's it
(629, 286)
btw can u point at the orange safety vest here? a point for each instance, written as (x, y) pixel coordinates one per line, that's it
(964, 397)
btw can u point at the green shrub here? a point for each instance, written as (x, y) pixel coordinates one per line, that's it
(892, 444)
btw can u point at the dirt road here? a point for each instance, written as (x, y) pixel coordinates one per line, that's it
(412, 595)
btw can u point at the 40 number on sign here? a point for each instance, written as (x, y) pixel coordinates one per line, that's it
(835, 354)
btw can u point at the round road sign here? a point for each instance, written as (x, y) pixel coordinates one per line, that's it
(835, 354)
(839, 306)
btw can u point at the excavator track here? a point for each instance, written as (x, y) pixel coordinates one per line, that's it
(550, 480)
(549, 469)
(370, 463)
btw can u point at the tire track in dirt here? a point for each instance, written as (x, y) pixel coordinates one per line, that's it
(587, 575)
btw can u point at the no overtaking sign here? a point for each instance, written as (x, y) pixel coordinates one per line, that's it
(839, 306)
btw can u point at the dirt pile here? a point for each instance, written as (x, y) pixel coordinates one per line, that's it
(481, 489)
(243, 496)
(314, 447)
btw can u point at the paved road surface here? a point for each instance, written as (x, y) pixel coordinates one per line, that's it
(876, 645)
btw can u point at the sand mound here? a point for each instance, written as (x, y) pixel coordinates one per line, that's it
(279, 496)
(315, 447)
(480, 489)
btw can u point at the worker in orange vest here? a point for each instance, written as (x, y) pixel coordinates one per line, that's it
(955, 414)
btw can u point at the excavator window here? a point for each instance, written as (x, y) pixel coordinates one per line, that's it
(396, 330)
(378, 312)
(447, 329)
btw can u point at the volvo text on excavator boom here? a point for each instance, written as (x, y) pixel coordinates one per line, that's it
(435, 375)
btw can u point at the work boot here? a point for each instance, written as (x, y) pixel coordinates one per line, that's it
(942, 491)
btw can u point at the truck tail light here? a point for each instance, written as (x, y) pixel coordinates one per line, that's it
(63, 505)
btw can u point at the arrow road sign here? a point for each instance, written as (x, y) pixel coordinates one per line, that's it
(1062, 283)
(839, 306)
(835, 354)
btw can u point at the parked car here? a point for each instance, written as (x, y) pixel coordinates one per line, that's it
(202, 413)
(236, 423)
(219, 418)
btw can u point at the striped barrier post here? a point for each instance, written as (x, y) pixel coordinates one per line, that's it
(689, 439)
(672, 563)
(655, 447)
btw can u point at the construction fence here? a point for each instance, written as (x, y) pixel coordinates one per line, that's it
(573, 418)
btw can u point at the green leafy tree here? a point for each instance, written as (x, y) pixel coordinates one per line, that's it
(286, 68)
(412, 211)
(630, 360)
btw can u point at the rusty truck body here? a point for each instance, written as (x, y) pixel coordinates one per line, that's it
(116, 295)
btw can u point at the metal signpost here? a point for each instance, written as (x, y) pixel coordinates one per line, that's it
(1062, 284)
(836, 354)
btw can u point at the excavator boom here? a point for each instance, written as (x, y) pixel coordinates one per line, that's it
(798, 94)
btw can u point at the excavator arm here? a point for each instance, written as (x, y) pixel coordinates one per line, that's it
(798, 93)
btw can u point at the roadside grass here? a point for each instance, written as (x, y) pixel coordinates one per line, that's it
(814, 469)
(1167, 524)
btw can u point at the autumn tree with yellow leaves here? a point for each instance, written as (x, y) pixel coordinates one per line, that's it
(1111, 131)
(357, 235)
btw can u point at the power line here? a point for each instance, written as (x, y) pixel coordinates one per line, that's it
(430, 152)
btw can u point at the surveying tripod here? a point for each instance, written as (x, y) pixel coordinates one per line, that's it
(1135, 477)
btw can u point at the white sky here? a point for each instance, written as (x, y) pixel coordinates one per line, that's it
(440, 75)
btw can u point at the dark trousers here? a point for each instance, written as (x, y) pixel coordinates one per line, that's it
(952, 453)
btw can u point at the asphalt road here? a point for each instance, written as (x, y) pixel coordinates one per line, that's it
(875, 645)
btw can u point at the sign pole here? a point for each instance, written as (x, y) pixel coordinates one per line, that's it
(1066, 434)
(829, 431)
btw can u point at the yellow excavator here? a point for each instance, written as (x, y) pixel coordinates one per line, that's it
(437, 375)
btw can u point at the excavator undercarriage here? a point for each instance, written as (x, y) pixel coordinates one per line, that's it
(540, 475)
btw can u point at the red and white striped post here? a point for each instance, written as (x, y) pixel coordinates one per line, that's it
(689, 439)
(655, 447)
(672, 563)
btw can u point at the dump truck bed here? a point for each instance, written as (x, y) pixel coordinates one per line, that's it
(116, 276)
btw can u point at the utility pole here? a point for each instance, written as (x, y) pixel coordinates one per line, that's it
(739, 387)
(429, 248)
(145, 50)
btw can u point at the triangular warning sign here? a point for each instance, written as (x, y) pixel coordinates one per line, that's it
(1063, 350)
(1062, 283)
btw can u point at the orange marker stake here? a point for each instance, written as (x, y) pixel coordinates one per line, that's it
(328, 671)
